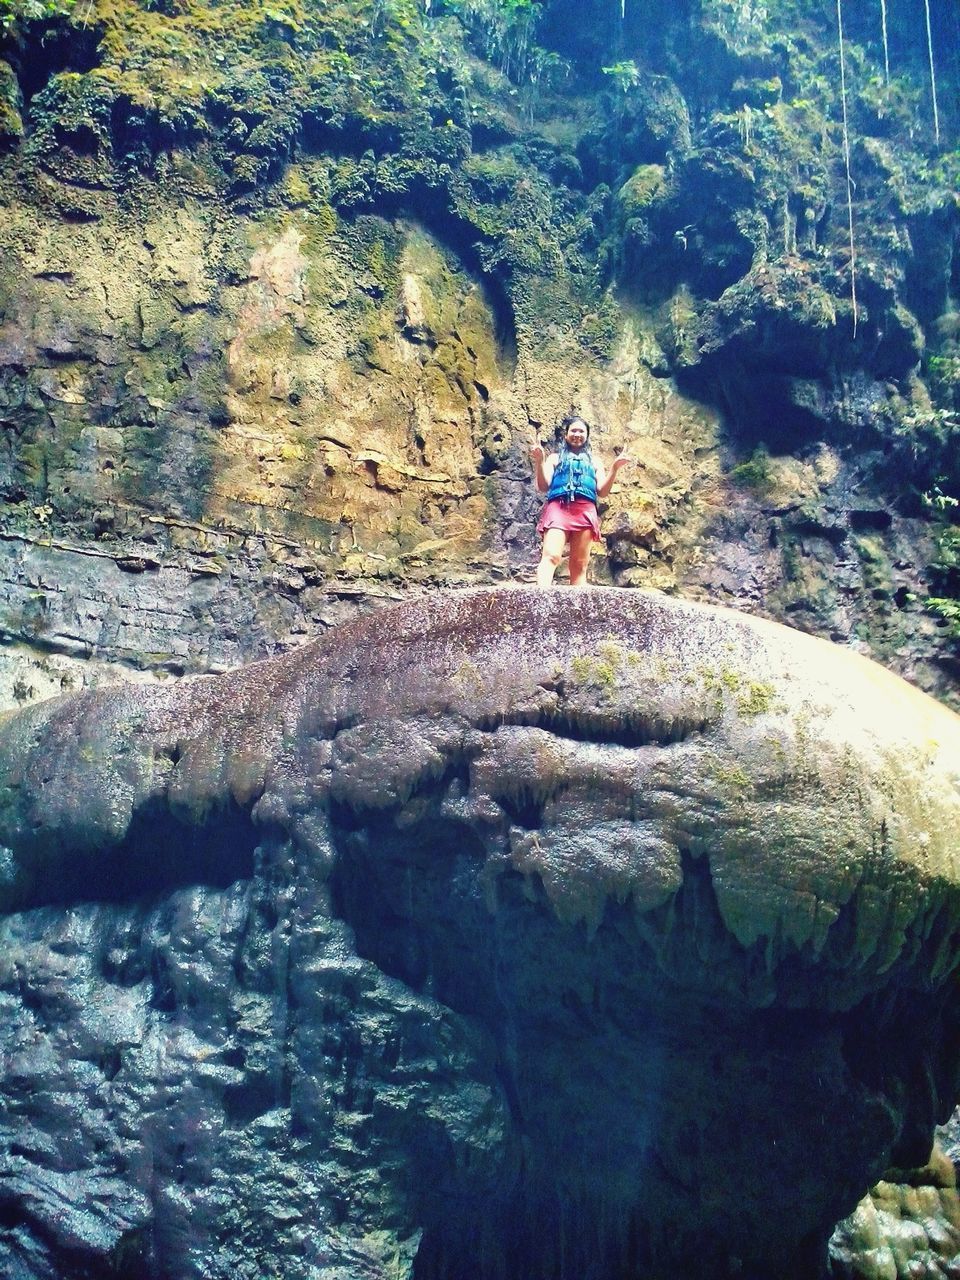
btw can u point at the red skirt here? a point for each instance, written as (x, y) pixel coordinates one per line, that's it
(570, 517)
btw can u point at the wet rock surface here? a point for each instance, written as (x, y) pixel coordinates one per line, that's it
(506, 933)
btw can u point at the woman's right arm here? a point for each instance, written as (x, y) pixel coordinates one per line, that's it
(543, 466)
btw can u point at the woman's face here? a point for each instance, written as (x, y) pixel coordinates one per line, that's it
(577, 434)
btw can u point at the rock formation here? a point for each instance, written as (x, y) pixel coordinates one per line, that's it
(286, 293)
(509, 934)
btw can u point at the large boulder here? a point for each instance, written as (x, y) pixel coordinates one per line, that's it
(499, 934)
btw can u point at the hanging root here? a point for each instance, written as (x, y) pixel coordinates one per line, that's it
(846, 161)
(933, 75)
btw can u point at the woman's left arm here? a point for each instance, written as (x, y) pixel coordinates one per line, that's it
(605, 481)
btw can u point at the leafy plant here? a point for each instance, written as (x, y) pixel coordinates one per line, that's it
(755, 472)
(943, 371)
(947, 563)
(940, 503)
(626, 75)
(944, 569)
(15, 13)
(949, 610)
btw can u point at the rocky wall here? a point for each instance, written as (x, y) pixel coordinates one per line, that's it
(287, 296)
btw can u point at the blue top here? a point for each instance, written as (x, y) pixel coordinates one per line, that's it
(574, 476)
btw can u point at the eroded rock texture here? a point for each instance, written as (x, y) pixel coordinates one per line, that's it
(905, 1228)
(516, 934)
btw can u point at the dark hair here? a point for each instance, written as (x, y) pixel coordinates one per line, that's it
(563, 448)
(568, 422)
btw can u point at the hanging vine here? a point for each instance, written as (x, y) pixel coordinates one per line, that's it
(933, 75)
(846, 161)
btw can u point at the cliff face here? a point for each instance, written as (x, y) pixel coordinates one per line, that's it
(288, 292)
(515, 933)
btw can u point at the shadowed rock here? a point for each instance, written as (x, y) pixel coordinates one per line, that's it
(502, 934)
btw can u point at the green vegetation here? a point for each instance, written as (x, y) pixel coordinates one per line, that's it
(625, 75)
(504, 32)
(751, 697)
(596, 671)
(949, 610)
(944, 569)
(756, 698)
(606, 666)
(17, 13)
(755, 473)
(733, 777)
(874, 564)
(642, 188)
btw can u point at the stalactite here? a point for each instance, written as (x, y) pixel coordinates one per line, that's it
(933, 75)
(846, 161)
(886, 51)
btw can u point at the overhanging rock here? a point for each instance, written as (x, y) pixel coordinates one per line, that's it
(504, 933)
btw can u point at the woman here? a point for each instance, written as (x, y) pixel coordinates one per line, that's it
(573, 482)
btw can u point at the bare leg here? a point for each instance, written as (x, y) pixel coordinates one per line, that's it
(554, 541)
(580, 544)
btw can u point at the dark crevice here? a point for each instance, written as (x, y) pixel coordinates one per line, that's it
(163, 997)
(51, 49)
(550, 1234)
(523, 810)
(616, 728)
(243, 1103)
(159, 854)
(878, 518)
